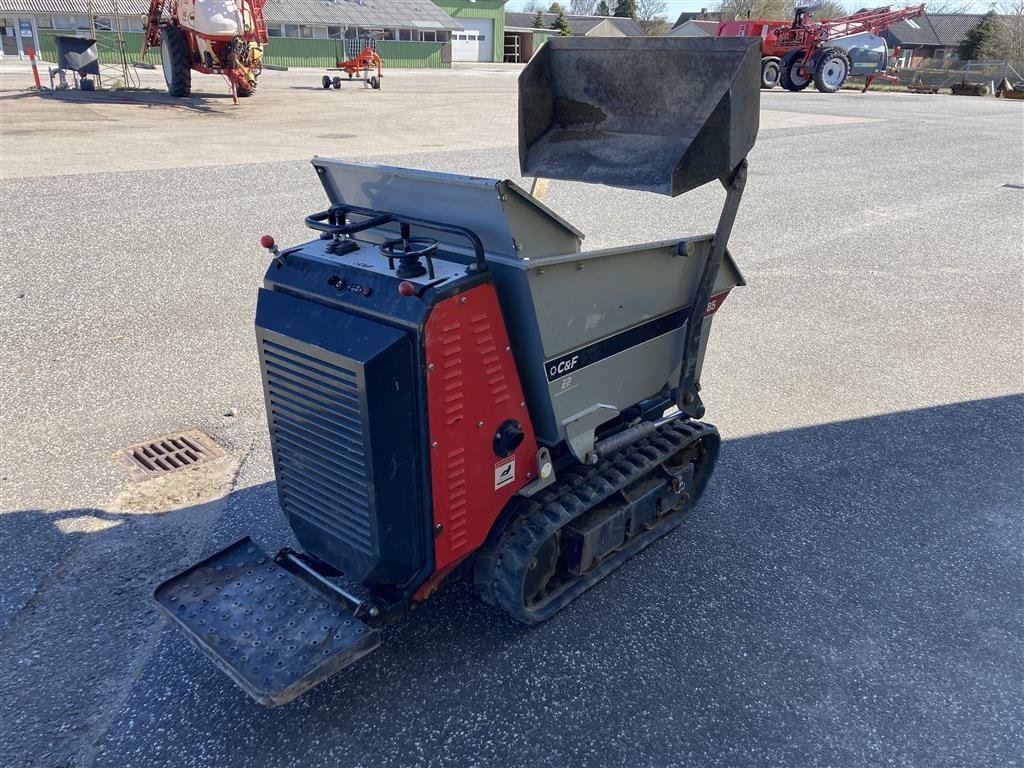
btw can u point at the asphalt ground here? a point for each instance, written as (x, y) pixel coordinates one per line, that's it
(849, 591)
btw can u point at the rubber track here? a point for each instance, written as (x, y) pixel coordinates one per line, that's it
(502, 564)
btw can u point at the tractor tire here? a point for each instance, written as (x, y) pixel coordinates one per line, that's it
(325, 81)
(831, 68)
(770, 72)
(375, 82)
(174, 57)
(789, 76)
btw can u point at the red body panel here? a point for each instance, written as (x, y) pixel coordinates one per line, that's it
(755, 28)
(472, 388)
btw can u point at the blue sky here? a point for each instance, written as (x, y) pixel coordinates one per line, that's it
(675, 7)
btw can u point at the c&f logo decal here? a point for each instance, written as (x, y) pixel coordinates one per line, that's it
(561, 367)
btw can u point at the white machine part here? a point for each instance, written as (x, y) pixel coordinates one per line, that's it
(212, 18)
(868, 53)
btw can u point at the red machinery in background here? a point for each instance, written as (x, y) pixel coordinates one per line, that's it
(215, 37)
(770, 52)
(824, 52)
(363, 60)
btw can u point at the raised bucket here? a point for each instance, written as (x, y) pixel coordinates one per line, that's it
(664, 114)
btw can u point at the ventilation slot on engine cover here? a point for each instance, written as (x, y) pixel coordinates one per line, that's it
(168, 453)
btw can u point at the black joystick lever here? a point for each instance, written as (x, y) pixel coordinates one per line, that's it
(408, 251)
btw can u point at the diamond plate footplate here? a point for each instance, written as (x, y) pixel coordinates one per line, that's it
(274, 634)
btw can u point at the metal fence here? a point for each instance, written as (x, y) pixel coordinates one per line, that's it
(945, 73)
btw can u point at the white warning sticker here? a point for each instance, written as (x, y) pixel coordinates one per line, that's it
(504, 472)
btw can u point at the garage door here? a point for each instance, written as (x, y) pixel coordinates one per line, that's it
(475, 42)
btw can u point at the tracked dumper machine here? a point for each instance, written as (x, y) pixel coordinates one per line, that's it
(454, 389)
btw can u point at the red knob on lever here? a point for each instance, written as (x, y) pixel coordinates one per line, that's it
(405, 288)
(267, 241)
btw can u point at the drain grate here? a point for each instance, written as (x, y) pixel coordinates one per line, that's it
(168, 453)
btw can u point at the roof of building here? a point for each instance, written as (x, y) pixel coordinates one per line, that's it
(701, 15)
(69, 7)
(628, 27)
(578, 25)
(942, 30)
(386, 14)
(711, 27)
(414, 14)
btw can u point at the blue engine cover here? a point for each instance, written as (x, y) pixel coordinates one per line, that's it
(353, 495)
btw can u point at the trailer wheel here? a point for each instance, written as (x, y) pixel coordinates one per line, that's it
(336, 83)
(770, 72)
(325, 81)
(789, 72)
(375, 82)
(175, 60)
(831, 68)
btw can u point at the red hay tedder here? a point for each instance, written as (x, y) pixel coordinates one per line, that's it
(215, 37)
(363, 64)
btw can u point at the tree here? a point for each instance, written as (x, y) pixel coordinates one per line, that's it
(538, 21)
(756, 9)
(1008, 41)
(555, 8)
(649, 14)
(582, 7)
(561, 24)
(979, 41)
(603, 9)
(625, 9)
(531, 7)
(830, 9)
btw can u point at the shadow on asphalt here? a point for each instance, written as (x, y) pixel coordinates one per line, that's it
(845, 593)
(142, 97)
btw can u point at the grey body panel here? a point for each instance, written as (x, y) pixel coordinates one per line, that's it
(556, 305)
(507, 218)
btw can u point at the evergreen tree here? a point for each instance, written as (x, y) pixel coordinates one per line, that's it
(625, 9)
(538, 21)
(562, 24)
(979, 39)
(555, 9)
(603, 9)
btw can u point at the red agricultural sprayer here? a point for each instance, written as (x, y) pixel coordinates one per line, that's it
(825, 52)
(215, 37)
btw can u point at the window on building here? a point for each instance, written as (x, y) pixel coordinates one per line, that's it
(334, 33)
(44, 22)
(291, 30)
(63, 22)
(273, 30)
(405, 34)
(103, 25)
(132, 25)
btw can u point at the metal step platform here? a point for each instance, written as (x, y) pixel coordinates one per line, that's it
(271, 631)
